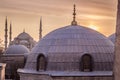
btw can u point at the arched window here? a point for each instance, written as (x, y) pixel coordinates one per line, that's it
(86, 63)
(41, 63)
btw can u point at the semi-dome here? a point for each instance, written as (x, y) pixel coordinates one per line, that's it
(112, 37)
(64, 48)
(16, 49)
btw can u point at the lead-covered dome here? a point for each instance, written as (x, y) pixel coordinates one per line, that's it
(16, 49)
(24, 39)
(24, 35)
(65, 48)
(74, 39)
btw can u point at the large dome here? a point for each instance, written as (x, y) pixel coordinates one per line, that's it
(65, 46)
(16, 49)
(24, 39)
(74, 39)
(24, 35)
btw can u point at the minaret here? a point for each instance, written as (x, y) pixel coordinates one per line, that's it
(116, 69)
(10, 33)
(24, 30)
(74, 22)
(40, 29)
(6, 34)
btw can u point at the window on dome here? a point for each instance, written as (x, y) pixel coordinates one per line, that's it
(86, 63)
(41, 63)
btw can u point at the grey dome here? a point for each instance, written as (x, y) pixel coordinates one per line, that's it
(112, 37)
(65, 46)
(24, 35)
(73, 39)
(16, 49)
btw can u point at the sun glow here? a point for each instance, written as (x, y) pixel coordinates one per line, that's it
(93, 27)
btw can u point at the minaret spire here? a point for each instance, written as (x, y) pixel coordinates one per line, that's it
(6, 33)
(24, 30)
(74, 22)
(40, 30)
(10, 33)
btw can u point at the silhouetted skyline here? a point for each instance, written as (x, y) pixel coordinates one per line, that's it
(25, 14)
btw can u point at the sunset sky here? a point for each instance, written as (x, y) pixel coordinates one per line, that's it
(25, 14)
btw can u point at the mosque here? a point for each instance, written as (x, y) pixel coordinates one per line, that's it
(72, 52)
(24, 39)
(15, 55)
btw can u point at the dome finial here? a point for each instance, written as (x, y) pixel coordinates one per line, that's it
(74, 22)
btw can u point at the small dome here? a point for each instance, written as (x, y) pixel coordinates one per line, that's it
(16, 49)
(24, 35)
(65, 47)
(112, 37)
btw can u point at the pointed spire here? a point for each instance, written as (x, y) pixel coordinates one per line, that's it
(10, 33)
(74, 22)
(6, 33)
(40, 30)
